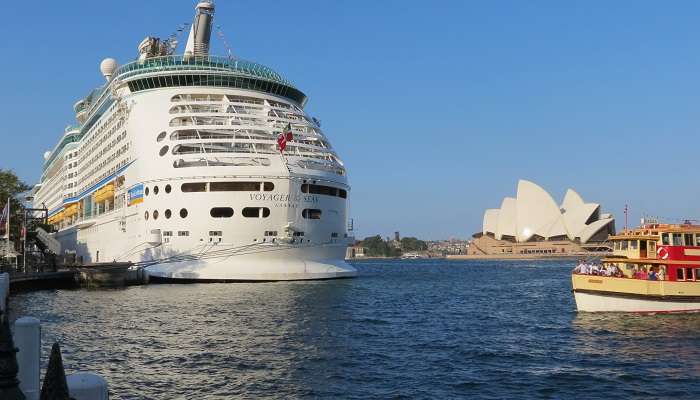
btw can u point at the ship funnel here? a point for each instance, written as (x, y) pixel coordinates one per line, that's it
(200, 32)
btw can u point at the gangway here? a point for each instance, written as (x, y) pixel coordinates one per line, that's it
(52, 245)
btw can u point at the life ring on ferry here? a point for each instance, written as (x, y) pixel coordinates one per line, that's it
(662, 253)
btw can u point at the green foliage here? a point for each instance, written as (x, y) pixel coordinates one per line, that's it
(10, 187)
(378, 247)
(413, 244)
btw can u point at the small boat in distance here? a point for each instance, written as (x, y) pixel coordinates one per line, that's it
(654, 269)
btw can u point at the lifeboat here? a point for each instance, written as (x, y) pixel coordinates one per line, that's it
(653, 269)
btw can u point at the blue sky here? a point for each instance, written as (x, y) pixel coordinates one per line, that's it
(437, 108)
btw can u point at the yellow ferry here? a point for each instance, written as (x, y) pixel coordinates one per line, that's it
(654, 269)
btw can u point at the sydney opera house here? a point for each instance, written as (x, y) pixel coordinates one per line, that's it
(533, 223)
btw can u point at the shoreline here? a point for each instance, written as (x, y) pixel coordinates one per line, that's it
(523, 256)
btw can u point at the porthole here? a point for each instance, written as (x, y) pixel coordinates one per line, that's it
(155, 190)
(183, 213)
(163, 151)
(168, 188)
(168, 214)
(155, 214)
(311, 213)
(221, 212)
(145, 215)
(147, 192)
(161, 136)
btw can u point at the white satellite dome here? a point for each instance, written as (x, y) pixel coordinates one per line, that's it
(108, 66)
(47, 155)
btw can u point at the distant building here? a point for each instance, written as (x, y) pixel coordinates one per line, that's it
(397, 237)
(533, 223)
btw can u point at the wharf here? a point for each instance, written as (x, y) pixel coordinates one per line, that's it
(90, 276)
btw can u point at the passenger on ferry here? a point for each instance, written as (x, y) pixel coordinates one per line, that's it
(652, 275)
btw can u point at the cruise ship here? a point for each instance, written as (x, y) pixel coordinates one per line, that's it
(199, 168)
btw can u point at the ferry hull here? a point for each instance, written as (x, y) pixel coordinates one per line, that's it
(599, 302)
(263, 264)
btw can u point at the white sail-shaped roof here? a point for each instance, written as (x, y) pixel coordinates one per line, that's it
(535, 213)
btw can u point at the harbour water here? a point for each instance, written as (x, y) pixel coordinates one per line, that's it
(402, 329)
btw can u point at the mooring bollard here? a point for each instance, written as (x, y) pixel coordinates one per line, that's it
(87, 386)
(4, 290)
(27, 338)
(9, 385)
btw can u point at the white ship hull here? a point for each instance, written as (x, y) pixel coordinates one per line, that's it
(593, 302)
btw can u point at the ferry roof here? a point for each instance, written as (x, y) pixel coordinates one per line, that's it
(652, 231)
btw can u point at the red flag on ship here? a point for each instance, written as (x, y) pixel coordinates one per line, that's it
(285, 137)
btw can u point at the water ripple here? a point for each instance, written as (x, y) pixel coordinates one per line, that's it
(403, 330)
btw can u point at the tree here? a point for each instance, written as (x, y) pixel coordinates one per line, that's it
(378, 247)
(413, 244)
(10, 187)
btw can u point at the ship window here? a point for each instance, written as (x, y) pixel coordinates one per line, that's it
(163, 151)
(221, 212)
(145, 215)
(697, 273)
(161, 136)
(633, 244)
(256, 212)
(234, 186)
(270, 233)
(616, 245)
(268, 186)
(664, 239)
(155, 190)
(183, 213)
(194, 187)
(168, 214)
(311, 213)
(168, 188)
(680, 275)
(147, 191)
(624, 245)
(155, 214)
(697, 239)
(324, 190)
(216, 233)
(688, 237)
(689, 274)
(677, 239)
(183, 233)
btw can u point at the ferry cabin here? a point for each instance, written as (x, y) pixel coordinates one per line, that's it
(671, 249)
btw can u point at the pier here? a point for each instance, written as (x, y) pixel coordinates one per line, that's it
(91, 276)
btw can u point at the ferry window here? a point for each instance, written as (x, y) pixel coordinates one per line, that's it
(697, 239)
(255, 212)
(688, 237)
(624, 245)
(234, 186)
(183, 213)
(163, 151)
(193, 187)
(221, 212)
(168, 213)
(161, 136)
(616, 245)
(664, 239)
(155, 214)
(147, 192)
(268, 186)
(342, 193)
(145, 215)
(697, 273)
(677, 239)
(633, 244)
(680, 274)
(155, 190)
(311, 213)
(168, 188)
(689, 274)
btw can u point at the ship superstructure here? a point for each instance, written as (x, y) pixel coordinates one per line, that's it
(176, 164)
